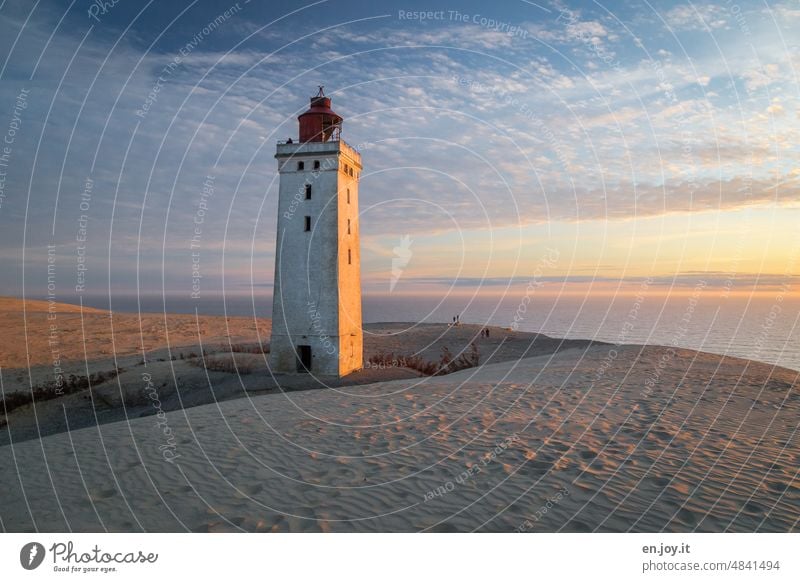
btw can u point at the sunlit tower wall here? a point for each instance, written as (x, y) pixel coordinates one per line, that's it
(316, 306)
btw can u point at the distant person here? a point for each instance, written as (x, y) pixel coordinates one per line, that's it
(289, 140)
(487, 332)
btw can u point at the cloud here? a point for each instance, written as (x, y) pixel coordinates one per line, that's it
(784, 12)
(696, 17)
(763, 76)
(775, 108)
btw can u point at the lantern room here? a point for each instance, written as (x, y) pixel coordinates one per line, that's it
(320, 122)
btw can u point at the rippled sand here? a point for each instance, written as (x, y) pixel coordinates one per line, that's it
(573, 441)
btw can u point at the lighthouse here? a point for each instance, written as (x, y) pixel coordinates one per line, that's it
(316, 305)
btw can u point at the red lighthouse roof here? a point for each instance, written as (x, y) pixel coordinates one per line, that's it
(319, 122)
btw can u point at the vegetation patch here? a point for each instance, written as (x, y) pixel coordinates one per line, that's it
(53, 389)
(447, 364)
(225, 363)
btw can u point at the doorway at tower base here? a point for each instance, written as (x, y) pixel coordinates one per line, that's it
(316, 355)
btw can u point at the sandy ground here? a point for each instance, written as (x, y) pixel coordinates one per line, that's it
(545, 435)
(168, 350)
(579, 440)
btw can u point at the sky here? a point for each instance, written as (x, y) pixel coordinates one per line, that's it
(582, 145)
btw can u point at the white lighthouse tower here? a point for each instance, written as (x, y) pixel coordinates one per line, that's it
(316, 306)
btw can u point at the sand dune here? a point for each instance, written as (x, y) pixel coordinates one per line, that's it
(572, 441)
(85, 333)
(13, 306)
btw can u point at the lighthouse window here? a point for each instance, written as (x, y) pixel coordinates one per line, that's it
(316, 164)
(301, 166)
(348, 195)
(345, 168)
(308, 191)
(351, 172)
(349, 257)
(348, 226)
(307, 224)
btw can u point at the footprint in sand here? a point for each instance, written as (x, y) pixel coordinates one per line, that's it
(660, 482)
(129, 466)
(753, 508)
(181, 489)
(662, 435)
(276, 524)
(101, 494)
(558, 446)
(537, 467)
(251, 490)
(687, 517)
(345, 476)
(778, 486)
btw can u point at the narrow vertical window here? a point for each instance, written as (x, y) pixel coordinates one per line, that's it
(316, 164)
(308, 191)
(348, 226)
(300, 166)
(308, 224)
(349, 257)
(348, 195)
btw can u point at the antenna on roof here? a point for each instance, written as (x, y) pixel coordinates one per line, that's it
(321, 93)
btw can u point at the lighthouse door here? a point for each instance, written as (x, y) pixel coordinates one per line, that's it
(303, 358)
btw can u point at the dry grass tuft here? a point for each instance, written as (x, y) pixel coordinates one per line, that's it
(446, 364)
(226, 362)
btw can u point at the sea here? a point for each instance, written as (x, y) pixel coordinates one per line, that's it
(759, 327)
